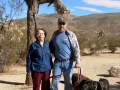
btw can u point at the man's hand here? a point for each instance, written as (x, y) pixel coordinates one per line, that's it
(77, 65)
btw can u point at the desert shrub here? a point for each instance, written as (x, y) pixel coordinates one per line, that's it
(113, 42)
(82, 40)
(13, 46)
(97, 45)
(23, 46)
(12, 58)
(92, 45)
(89, 45)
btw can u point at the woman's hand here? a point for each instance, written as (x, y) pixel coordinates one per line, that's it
(28, 73)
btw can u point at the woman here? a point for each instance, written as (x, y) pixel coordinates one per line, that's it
(39, 61)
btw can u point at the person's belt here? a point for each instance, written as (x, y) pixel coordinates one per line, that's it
(64, 60)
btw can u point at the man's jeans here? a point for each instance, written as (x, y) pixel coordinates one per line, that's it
(65, 68)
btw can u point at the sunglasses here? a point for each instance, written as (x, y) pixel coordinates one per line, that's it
(61, 23)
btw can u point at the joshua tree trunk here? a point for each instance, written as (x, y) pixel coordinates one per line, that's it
(32, 10)
(30, 37)
(30, 29)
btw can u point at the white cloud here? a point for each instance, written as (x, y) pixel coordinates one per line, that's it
(72, 10)
(24, 11)
(89, 9)
(106, 3)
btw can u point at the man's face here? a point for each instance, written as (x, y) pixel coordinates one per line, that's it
(61, 25)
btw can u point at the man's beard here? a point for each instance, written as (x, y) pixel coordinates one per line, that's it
(62, 29)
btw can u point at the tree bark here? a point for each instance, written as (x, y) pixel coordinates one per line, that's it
(30, 32)
(30, 26)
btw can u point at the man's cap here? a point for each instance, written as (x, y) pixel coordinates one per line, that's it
(61, 19)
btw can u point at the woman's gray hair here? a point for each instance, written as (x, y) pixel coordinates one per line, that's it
(36, 31)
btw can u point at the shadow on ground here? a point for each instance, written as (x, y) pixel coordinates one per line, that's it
(118, 82)
(115, 87)
(12, 83)
(103, 75)
(26, 88)
(112, 87)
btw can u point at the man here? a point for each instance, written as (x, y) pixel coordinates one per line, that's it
(65, 47)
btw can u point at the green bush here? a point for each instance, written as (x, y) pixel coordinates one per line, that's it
(82, 40)
(96, 45)
(92, 45)
(113, 43)
(13, 46)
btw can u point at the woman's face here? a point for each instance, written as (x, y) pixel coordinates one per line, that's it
(40, 35)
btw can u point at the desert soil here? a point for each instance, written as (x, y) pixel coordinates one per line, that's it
(94, 67)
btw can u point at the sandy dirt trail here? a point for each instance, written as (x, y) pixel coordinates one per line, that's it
(94, 67)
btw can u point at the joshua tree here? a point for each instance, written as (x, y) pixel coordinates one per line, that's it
(33, 6)
(101, 34)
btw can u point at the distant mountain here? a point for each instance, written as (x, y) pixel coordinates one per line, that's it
(91, 24)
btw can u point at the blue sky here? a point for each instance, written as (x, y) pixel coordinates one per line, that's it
(80, 7)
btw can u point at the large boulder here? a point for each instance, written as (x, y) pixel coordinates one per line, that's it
(114, 71)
